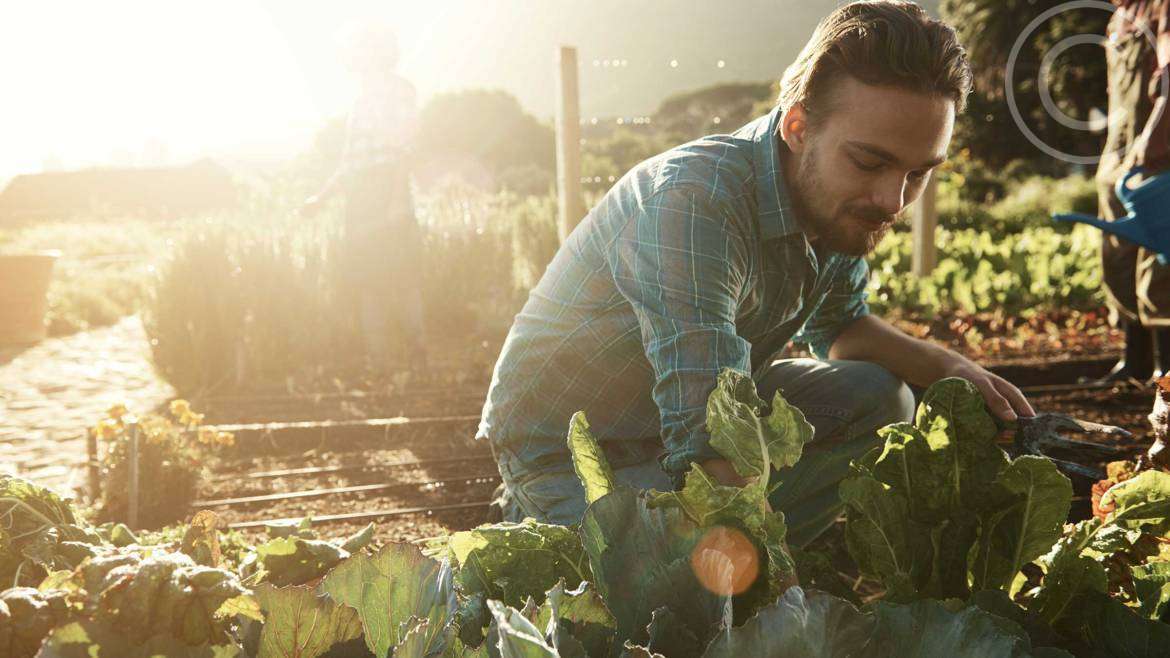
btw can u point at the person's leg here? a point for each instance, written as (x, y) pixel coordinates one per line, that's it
(846, 402)
(553, 494)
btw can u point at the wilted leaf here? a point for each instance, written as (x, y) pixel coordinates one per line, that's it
(752, 443)
(359, 539)
(201, 539)
(578, 615)
(519, 638)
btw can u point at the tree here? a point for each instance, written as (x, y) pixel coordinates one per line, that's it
(989, 29)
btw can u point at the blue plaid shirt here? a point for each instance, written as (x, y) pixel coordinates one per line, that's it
(693, 262)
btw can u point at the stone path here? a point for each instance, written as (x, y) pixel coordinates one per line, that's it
(50, 393)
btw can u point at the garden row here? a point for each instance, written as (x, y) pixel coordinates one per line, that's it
(969, 545)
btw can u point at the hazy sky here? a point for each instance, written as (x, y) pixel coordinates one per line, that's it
(96, 82)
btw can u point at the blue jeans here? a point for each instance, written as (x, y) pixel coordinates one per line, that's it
(846, 402)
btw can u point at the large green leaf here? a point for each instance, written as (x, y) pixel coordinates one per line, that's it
(391, 588)
(588, 459)
(641, 561)
(300, 624)
(961, 404)
(812, 625)
(878, 533)
(1069, 573)
(928, 629)
(1151, 583)
(1140, 502)
(1026, 519)
(1111, 628)
(510, 562)
(754, 444)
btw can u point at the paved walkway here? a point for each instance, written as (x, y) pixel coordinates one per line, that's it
(50, 393)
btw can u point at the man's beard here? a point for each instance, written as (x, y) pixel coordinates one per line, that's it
(856, 232)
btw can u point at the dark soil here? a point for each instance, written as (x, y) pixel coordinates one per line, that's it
(1041, 351)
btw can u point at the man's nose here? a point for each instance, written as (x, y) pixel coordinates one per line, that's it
(890, 196)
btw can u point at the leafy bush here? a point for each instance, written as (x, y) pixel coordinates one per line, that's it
(171, 453)
(1037, 270)
(249, 305)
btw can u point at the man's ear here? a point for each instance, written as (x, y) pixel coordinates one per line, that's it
(794, 127)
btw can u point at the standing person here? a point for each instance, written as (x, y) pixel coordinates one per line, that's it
(715, 254)
(1137, 286)
(382, 241)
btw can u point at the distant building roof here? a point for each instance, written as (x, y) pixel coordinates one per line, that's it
(158, 192)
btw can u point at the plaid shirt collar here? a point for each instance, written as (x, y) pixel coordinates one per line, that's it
(776, 216)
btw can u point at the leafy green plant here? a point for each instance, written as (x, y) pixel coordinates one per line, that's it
(940, 508)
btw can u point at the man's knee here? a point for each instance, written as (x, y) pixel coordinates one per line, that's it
(883, 397)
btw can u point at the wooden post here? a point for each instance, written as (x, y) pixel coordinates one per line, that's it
(132, 503)
(925, 224)
(571, 204)
(93, 466)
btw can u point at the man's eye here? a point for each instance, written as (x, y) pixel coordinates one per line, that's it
(918, 175)
(864, 167)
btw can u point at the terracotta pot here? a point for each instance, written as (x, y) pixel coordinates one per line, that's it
(24, 284)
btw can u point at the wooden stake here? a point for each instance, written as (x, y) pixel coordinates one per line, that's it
(571, 204)
(132, 504)
(925, 225)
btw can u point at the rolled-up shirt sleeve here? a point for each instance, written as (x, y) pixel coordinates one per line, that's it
(682, 265)
(844, 303)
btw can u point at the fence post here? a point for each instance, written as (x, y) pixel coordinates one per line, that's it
(571, 204)
(924, 225)
(132, 503)
(92, 467)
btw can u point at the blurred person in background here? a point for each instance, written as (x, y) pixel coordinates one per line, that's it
(382, 240)
(1137, 286)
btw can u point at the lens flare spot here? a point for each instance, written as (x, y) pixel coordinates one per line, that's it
(725, 561)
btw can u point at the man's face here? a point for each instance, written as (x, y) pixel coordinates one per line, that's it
(860, 166)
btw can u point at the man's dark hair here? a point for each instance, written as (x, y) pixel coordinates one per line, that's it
(878, 42)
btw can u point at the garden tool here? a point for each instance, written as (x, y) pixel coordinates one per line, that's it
(1148, 220)
(1036, 435)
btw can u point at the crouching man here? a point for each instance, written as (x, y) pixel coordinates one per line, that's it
(717, 253)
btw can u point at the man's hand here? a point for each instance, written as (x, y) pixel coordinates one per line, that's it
(724, 473)
(1002, 397)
